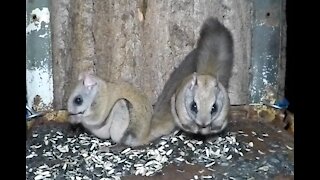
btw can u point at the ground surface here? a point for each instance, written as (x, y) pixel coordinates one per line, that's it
(248, 149)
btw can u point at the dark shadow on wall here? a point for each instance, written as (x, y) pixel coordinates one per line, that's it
(289, 64)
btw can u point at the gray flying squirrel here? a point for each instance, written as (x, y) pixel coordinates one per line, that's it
(110, 110)
(195, 97)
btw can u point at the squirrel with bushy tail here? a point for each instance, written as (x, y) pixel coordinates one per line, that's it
(195, 98)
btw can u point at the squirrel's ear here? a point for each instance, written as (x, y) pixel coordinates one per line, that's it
(194, 80)
(82, 75)
(89, 81)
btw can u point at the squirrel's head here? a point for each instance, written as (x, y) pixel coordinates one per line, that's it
(82, 96)
(202, 105)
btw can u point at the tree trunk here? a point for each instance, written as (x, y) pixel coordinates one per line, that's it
(141, 41)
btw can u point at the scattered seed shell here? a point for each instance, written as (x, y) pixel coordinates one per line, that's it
(260, 139)
(290, 148)
(260, 152)
(250, 144)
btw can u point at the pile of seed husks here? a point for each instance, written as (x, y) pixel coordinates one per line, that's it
(59, 155)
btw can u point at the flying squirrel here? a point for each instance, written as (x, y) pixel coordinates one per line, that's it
(115, 110)
(195, 98)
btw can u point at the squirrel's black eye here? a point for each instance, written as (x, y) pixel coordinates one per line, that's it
(194, 107)
(214, 109)
(78, 100)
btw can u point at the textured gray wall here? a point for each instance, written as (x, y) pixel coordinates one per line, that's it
(141, 41)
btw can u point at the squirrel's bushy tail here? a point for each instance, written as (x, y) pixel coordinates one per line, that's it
(215, 50)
